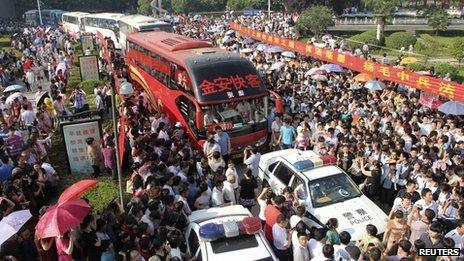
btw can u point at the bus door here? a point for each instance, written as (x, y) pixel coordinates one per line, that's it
(193, 115)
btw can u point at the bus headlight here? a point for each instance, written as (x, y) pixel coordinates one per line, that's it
(261, 141)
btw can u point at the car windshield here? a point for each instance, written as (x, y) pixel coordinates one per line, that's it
(332, 189)
(303, 165)
(234, 243)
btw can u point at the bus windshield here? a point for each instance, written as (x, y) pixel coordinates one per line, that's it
(237, 117)
(162, 27)
(216, 77)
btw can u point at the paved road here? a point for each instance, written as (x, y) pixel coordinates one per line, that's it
(396, 27)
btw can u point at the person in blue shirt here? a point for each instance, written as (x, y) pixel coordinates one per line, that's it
(5, 169)
(223, 139)
(287, 134)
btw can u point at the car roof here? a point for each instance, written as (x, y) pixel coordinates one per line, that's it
(263, 250)
(200, 216)
(322, 171)
(291, 155)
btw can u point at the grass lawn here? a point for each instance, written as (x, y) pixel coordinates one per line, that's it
(107, 190)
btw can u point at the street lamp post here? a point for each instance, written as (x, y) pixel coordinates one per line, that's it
(125, 89)
(269, 9)
(40, 12)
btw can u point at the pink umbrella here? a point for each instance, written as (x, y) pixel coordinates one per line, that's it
(315, 71)
(77, 189)
(61, 218)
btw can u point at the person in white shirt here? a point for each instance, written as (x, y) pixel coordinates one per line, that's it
(317, 243)
(251, 158)
(28, 118)
(182, 197)
(300, 246)
(327, 254)
(232, 171)
(217, 197)
(228, 190)
(340, 250)
(457, 234)
(427, 201)
(281, 238)
(210, 147)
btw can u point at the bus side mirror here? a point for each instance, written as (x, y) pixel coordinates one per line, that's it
(199, 120)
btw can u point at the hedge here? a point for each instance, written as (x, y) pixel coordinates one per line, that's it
(444, 68)
(74, 77)
(400, 39)
(417, 67)
(89, 85)
(101, 196)
(358, 40)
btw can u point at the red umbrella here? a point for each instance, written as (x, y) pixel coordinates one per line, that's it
(61, 218)
(76, 190)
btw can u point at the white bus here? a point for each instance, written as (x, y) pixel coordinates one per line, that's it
(139, 23)
(74, 21)
(106, 24)
(31, 17)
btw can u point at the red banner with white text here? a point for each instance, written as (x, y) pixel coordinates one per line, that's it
(430, 84)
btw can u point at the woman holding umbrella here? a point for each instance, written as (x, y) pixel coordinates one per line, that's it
(64, 247)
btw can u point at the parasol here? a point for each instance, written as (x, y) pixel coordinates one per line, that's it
(246, 50)
(277, 66)
(12, 223)
(61, 218)
(374, 85)
(14, 88)
(261, 47)
(289, 54)
(319, 77)
(275, 49)
(452, 108)
(332, 68)
(409, 60)
(78, 189)
(363, 77)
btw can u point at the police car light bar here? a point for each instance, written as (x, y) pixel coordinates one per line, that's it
(228, 229)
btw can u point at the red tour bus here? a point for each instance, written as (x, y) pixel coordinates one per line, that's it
(201, 86)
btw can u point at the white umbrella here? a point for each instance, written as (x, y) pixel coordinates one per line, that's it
(12, 97)
(14, 88)
(289, 54)
(246, 50)
(277, 66)
(374, 85)
(61, 66)
(319, 77)
(12, 223)
(315, 70)
(452, 108)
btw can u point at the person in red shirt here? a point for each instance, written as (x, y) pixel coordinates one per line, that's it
(271, 212)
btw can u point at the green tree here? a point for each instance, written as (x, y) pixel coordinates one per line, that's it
(383, 10)
(181, 6)
(458, 50)
(314, 20)
(144, 7)
(438, 19)
(247, 4)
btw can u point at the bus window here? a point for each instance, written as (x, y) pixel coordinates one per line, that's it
(237, 116)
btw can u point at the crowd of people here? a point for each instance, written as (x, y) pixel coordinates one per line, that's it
(406, 158)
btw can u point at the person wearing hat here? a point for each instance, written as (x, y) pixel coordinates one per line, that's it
(94, 154)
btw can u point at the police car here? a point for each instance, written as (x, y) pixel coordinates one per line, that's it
(227, 233)
(325, 190)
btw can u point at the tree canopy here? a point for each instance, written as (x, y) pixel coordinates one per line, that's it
(438, 19)
(314, 20)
